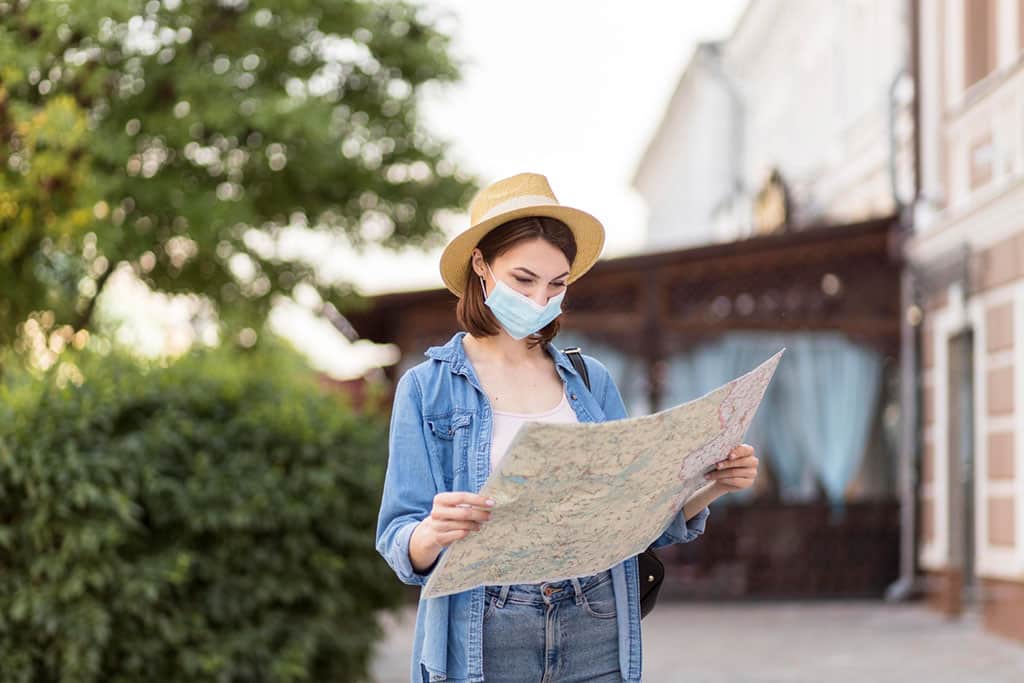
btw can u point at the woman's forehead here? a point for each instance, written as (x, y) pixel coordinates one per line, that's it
(537, 255)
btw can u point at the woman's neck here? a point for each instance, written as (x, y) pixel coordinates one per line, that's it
(501, 349)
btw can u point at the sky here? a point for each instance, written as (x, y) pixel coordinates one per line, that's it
(572, 89)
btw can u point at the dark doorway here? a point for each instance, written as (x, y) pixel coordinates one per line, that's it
(961, 462)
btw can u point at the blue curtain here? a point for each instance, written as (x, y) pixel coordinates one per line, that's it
(835, 389)
(693, 374)
(813, 424)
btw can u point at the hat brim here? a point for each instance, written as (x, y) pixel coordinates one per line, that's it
(587, 230)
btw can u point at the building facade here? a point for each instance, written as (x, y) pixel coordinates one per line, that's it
(802, 116)
(967, 255)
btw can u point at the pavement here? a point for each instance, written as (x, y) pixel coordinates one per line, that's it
(776, 642)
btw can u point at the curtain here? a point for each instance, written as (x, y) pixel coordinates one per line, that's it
(813, 425)
(834, 386)
(708, 366)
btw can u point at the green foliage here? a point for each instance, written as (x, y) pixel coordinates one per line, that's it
(212, 520)
(171, 135)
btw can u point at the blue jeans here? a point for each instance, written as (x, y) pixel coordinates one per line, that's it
(562, 631)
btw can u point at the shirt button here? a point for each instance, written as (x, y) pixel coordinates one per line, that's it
(574, 397)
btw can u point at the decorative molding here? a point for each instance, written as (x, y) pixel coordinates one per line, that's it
(773, 206)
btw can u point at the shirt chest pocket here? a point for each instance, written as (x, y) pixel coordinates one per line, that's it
(450, 437)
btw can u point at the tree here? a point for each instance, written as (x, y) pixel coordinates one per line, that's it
(167, 135)
(209, 519)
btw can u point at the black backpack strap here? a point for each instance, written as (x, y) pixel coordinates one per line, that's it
(576, 358)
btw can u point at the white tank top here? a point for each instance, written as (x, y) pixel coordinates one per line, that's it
(506, 424)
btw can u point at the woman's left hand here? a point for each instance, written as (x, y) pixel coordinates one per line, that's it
(737, 471)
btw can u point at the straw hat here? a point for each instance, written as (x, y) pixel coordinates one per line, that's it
(525, 194)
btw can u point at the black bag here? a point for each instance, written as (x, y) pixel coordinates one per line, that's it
(650, 569)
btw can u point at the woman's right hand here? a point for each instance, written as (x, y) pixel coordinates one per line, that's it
(455, 515)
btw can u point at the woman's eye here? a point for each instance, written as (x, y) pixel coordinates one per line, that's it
(528, 280)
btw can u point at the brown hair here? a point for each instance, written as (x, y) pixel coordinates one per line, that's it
(471, 311)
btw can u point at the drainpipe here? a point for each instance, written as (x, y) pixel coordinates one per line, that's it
(907, 586)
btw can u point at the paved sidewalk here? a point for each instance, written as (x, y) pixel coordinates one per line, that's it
(778, 642)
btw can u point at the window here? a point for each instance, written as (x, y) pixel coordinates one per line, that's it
(980, 54)
(1020, 25)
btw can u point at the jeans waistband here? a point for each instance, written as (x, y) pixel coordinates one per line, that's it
(547, 592)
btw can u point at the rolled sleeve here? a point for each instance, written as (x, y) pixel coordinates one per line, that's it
(409, 483)
(402, 563)
(681, 530)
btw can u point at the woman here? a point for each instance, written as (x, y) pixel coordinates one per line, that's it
(452, 419)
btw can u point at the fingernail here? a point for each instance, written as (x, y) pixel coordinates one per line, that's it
(490, 501)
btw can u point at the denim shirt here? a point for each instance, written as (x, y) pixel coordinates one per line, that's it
(439, 440)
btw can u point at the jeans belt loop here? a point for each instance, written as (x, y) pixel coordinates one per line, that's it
(579, 590)
(502, 596)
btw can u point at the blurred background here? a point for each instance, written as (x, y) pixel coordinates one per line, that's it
(220, 224)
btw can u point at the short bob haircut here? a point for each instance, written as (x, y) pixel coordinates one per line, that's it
(471, 311)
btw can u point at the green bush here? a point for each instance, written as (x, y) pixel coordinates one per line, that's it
(208, 521)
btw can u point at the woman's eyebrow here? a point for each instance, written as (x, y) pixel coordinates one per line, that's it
(530, 272)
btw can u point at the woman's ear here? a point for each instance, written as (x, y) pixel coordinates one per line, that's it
(477, 262)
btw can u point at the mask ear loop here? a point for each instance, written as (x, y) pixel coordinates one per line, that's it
(483, 286)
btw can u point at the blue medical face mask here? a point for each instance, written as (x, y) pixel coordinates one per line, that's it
(520, 315)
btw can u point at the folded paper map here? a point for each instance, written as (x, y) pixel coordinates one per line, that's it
(574, 499)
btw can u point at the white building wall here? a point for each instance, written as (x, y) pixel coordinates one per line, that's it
(818, 75)
(813, 79)
(689, 164)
